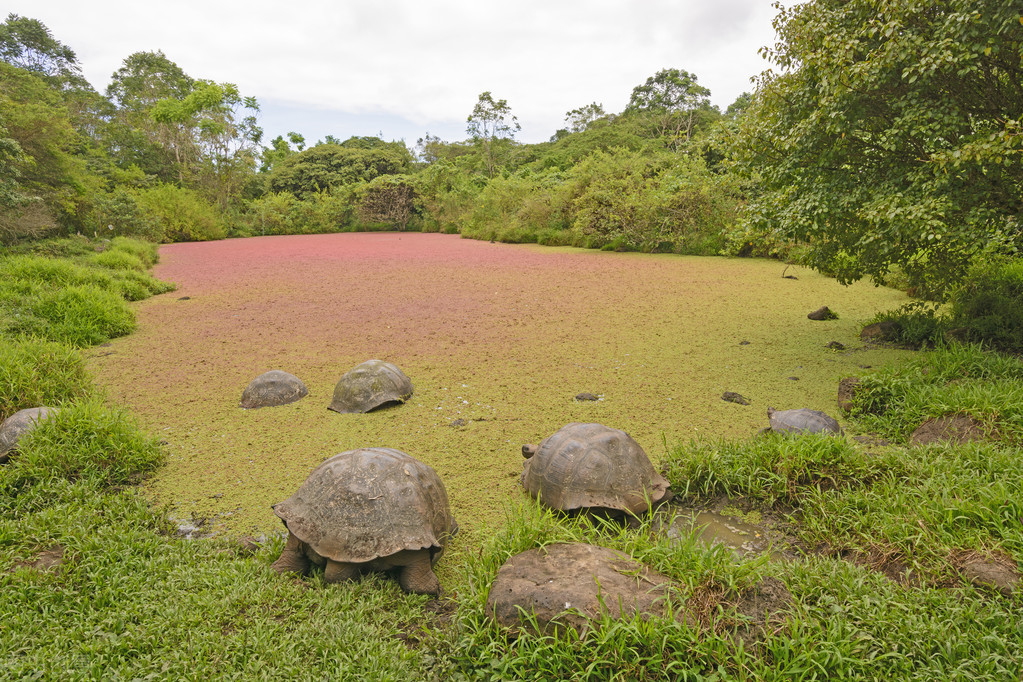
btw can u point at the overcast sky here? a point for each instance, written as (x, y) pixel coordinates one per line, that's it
(401, 68)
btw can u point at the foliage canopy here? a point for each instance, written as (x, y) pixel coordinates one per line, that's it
(892, 134)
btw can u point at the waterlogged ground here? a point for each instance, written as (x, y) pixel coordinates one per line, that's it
(500, 336)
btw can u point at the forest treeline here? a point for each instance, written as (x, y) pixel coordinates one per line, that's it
(886, 143)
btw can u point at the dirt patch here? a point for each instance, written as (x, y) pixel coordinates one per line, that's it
(499, 336)
(50, 559)
(955, 429)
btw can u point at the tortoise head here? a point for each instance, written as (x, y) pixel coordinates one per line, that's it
(528, 451)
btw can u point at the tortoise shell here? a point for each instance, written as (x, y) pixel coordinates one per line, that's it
(18, 424)
(592, 466)
(803, 420)
(370, 503)
(273, 388)
(370, 385)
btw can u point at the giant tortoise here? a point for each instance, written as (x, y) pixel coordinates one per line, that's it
(595, 467)
(368, 509)
(370, 385)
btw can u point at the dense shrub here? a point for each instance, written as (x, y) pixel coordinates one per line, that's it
(388, 200)
(989, 306)
(182, 215)
(35, 373)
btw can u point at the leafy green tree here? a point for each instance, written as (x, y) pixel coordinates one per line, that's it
(28, 44)
(580, 119)
(673, 100)
(490, 121)
(279, 150)
(328, 166)
(891, 134)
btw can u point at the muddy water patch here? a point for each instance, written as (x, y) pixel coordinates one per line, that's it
(724, 523)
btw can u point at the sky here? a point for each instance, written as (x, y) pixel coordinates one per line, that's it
(400, 69)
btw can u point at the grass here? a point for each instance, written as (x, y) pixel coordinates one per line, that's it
(129, 599)
(957, 379)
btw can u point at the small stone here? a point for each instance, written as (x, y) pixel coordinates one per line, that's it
(587, 396)
(822, 313)
(733, 397)
(185, 298)
(835, 345)
(793, 378)
(744, 343)
(458, 423)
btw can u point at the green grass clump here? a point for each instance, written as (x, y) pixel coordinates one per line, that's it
(769, 468)
(35, 373)
(943, 501)
(62, 291)
(951, 380)
(84, 441)
(77, 315)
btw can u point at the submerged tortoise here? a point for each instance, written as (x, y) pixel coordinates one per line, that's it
(273, 388)
(592, 466)
(803, 420)
(370, 385)
(368, 509)
(18, 424)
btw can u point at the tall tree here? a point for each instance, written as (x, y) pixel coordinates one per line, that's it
(28, 44)
(579, 119)
(490, 121)
(892, 134)
(673, 99)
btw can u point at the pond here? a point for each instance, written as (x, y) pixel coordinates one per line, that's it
(497, 339)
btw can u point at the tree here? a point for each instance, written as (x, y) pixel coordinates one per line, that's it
(893, 134)
(28, 44)
(329, 165)
(673, 99)
(279, 150)
(490, 121)
(580, 119)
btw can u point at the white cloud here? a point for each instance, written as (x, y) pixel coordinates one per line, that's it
(420, 61)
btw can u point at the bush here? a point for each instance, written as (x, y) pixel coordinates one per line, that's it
(122, 212)
(989, 306)
(182, 215)
(35, 373)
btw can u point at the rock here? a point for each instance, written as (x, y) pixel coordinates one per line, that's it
(847, 393)
(18, 424)
(888, 330)
(568, 584)
(458, 423)
(247, 545)
(733, 397)
(744, 343)
(793, 378)
(822, 313)
(954, 428)
(835, 345)
(185, 298)
(587, 396)
(990, 574)
(50, 559)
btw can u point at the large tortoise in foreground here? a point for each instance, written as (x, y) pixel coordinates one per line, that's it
(370, 385)
(368, 509)
(595, 467)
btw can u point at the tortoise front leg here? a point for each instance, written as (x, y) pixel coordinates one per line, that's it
(417, 575)
(340, 571)
(293, 558)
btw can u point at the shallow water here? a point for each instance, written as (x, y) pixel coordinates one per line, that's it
(713, 528)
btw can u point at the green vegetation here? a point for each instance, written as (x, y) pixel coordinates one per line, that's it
(891, 135)
(79, 301)
(889, 141)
